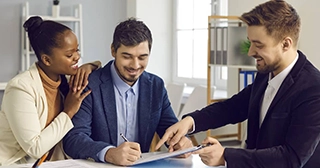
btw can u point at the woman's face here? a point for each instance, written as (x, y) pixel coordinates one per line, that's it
(64, 60)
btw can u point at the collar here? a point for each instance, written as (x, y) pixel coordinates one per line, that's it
(276, 81)
(121, 86)
(48, 81)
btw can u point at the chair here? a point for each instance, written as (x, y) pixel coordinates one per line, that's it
(197, 100)
(175, 92)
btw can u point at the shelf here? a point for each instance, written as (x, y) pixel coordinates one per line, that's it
(3, 85)
(249, 67)
(30, 52)
(225, 35)
(60, 18)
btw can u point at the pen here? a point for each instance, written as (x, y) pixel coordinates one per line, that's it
(125, 139)
(204, 145)
(40, 160)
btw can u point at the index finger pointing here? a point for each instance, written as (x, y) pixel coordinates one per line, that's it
(164, 138)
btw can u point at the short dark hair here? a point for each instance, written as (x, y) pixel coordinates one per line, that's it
(44, 35)
(278, 17)
(131, 33)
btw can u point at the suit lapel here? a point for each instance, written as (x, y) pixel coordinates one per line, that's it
(144, 107)
(286, 84)
(109, 103)
(37, 80)
(258, 90)
(288, 81)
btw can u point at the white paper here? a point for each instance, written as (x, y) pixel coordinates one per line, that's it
(148, 157)
(62, 163)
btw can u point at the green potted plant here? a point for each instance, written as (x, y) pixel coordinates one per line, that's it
(244, 46)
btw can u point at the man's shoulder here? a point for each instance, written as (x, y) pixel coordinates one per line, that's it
(151, 77)
(97, 76)
(309, 73)
(306, 67)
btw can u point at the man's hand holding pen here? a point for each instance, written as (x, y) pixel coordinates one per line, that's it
(125, 154)
(212, 152)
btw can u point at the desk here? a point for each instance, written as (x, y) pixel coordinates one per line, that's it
(193, 161)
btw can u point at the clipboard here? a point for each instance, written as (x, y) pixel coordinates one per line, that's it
(149, 157)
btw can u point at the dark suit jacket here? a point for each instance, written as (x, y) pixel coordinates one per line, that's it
(290, 132)
(95, 125)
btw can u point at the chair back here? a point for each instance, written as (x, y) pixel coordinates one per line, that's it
(175, 92)
(197, 100)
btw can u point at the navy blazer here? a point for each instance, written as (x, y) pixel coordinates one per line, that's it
(290, 132)
(95, 124)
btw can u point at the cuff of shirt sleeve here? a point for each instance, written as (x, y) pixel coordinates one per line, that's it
(102, 153)
(193, 128)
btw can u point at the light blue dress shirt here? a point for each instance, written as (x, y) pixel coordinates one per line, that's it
(126, 105)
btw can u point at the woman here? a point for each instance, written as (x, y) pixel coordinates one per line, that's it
(38, 105)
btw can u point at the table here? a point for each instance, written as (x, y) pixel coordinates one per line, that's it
(193, 161)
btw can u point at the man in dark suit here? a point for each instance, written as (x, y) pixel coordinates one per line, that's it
(124, 100)
(282, 105)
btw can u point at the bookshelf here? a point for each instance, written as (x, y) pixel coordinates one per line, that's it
(225, 35)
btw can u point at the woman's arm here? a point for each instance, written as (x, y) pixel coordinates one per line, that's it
(26, 112)
(81, 78)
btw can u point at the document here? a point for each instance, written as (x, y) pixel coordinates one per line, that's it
(148, 157)
(59, 164)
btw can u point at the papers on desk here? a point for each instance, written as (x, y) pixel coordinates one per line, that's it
(62, 163)
(149, 157)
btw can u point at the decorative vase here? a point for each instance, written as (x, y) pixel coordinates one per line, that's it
(55, 8)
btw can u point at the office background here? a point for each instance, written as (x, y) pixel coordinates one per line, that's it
(101, 16)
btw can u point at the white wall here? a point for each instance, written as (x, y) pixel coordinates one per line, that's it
(99, 20)
(157, 15)
(309, 36)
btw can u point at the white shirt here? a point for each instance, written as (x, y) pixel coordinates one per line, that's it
(272, 89)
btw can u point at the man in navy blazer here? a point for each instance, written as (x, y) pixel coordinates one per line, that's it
(282, 105)
(124, 100)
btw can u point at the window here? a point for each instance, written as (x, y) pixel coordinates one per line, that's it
(191, 32)
(192, 37)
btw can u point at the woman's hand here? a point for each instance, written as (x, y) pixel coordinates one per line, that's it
(80, 79)
(73, 101)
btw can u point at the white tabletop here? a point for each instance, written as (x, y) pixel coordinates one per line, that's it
(193, 161)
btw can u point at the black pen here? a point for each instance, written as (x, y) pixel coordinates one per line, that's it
(204, 145)
(125, 139)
